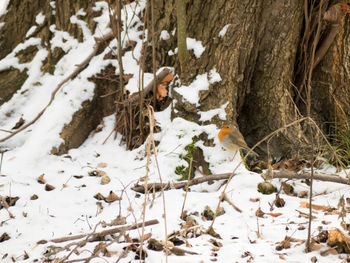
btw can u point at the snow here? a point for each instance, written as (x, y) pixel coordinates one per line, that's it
(202, 82)
(40, 18)
(31, 31)
(164, 35)
(71, 208)
(196, 46)
(223, 31)
(208, 115)
(3, 7)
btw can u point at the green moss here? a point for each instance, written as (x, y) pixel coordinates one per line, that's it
(181, 170)
(266, 188)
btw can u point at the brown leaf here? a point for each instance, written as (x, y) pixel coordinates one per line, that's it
(274, 214)
(162, 92)
(316, 207)
(111, 197)
(49, 187)
(339, 240)
(102, 165)
(314, 246)
(330, 251)
(19, 123)
(212, 232)
(126, 77)
(168, 78)
(259, 213)
(34, 197)
(41, 179)
(105, 179)
(99, 196)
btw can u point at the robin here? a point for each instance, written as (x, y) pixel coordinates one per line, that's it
(232, 139)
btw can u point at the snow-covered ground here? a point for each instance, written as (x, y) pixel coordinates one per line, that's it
(71, 207)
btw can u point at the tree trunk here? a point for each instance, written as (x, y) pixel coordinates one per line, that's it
(255, 59)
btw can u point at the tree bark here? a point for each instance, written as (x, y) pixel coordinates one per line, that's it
(255, 59)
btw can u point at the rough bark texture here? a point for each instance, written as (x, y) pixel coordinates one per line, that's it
(331, 81)
(255, 60)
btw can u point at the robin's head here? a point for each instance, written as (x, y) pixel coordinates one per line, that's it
(225, 129)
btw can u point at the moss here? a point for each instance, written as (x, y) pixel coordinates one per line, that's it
(266, 188)
(183, 170)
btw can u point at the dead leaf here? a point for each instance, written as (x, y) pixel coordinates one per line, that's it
(105, 179)
(162, 92)
(99, 196)
(111, 197)
(169, 77)
(316, 207)
(98, 173)
(49, 187)
(254, 200)
(188, 243)
(146, 236)
(19, 123)
(284, 244)
(259, 213)
(126, 77)
(154, 244)
(34, 197)
(102, 165)
(330, 251)
(212, 232)
(4, 237)
(274, 214)
(314, 246)
(302, 194)
(41, 179)
(339, 240)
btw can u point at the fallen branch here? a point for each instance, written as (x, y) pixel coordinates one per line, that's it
(99, 235)
(283, 174)
(158, 186)
(135, 96)
(98, 42)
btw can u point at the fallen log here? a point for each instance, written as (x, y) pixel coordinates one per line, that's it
(282, 175)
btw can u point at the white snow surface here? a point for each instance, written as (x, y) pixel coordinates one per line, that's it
(223, 31)
(202, 82)
(196, 46)
(71, 208)
(3, 7)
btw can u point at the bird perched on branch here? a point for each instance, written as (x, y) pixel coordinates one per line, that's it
(232, 139)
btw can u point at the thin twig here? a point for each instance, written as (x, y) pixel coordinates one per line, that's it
(314, 46)
(151, 120)
(105, 232)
